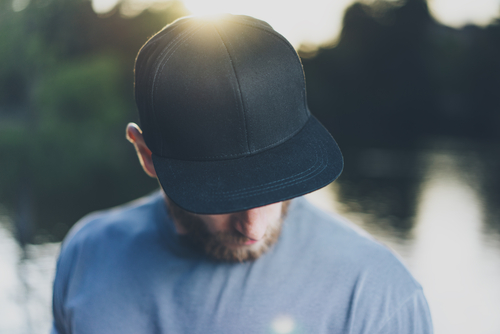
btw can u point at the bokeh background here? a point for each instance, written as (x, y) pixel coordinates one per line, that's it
(410, 89)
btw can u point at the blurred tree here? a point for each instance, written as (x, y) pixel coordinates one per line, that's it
(374, 88)
(397, 76)
(395, 79)
(480, 78)
(66, 96)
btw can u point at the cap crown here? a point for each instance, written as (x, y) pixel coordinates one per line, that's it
(218, 89)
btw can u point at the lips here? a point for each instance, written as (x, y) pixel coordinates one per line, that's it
(236, 245)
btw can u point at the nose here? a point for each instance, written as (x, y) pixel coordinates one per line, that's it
(252, 223)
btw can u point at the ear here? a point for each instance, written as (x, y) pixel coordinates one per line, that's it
(134, 135)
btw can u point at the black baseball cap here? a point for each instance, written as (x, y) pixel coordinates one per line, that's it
(222, 105)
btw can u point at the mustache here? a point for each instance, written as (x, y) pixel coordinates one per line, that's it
(229, 238)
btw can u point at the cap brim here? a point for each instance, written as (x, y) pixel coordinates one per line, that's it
(308, 161)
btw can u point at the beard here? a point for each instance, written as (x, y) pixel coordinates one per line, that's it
(217, 245)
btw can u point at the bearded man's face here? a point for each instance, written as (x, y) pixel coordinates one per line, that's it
(233, 237)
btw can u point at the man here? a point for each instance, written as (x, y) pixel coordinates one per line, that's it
(228, 245)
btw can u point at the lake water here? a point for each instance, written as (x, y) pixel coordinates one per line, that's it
(437, 208)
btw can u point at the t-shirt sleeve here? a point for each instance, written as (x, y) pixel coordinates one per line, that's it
(60, 284)
(64, 272)
(412, 317)
(54, 329)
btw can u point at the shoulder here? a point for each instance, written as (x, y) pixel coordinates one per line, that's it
(113, 225)
(102, 239)
(331, 232)
(326, 225)
(335, 242)
(381, 290)
(95, 245)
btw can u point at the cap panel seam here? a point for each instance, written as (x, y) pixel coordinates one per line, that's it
(151, 43)
(160, 65)
(146, 52)
(307, 113)
(176, 43)
(317, 167)
(281, 140)
(242, 155)
(276, 35)
(152, 77)
(238, 88)
(305, 175)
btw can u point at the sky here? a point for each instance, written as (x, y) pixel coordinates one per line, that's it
(319, 22)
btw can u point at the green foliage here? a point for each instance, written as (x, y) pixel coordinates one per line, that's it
(82, 93)
(66, 95)
(80, 108)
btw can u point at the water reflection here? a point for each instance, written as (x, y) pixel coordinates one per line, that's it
(450, 256)
(25, 284)
(437, 208)
(490, 194)
(378, 190)
(445, 228)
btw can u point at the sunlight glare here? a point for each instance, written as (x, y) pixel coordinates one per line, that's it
(19, 5)
(315, 23)
(457, 13)
(103, 6)
(283, 324)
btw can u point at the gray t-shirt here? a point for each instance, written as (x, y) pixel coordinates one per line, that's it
(126, 270)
